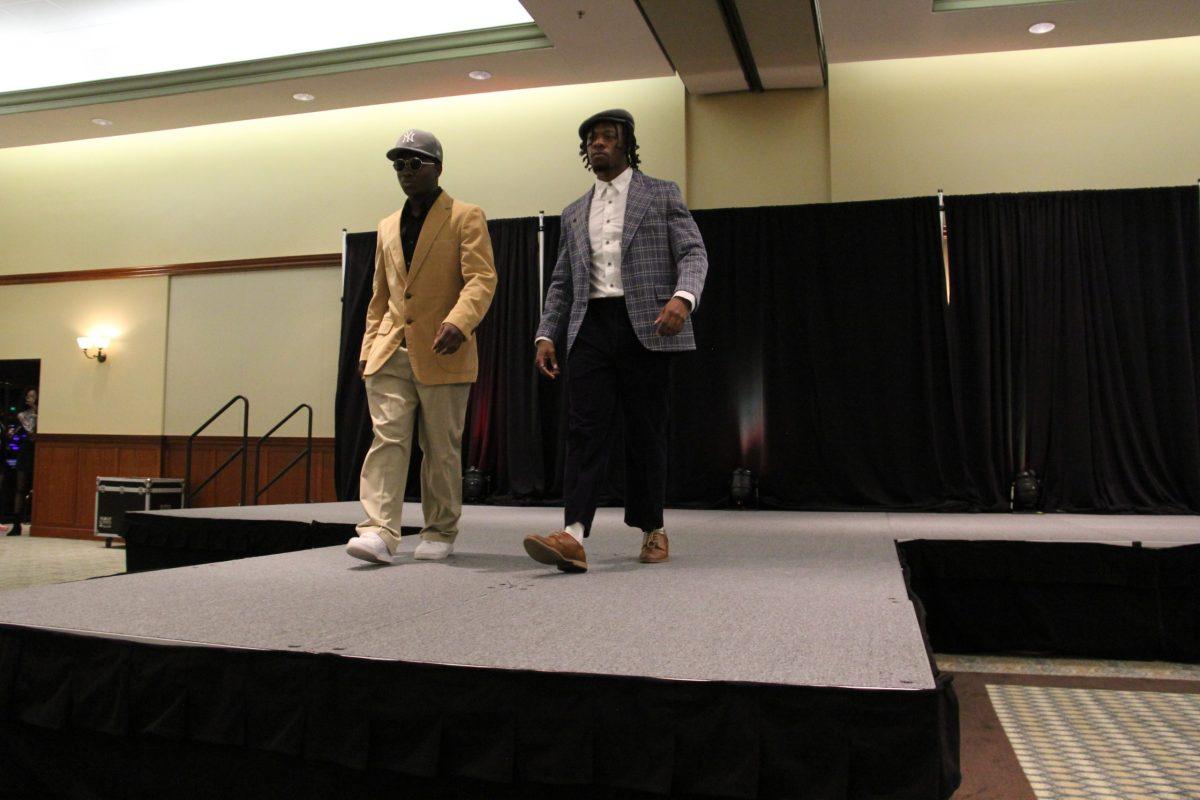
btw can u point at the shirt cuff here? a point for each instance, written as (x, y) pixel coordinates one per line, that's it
(543, 339)
(691, 298)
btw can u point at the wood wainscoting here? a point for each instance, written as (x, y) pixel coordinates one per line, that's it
(66, 467)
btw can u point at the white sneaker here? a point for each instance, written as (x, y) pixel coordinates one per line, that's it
(370, 547)
(433, 551)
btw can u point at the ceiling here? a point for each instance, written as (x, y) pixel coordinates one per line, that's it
(869, 30)
(714, 46)
(573, 49)
(60, 42)
(747, 45)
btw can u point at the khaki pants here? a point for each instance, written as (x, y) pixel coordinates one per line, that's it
(394, 397)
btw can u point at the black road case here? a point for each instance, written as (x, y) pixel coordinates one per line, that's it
(116, 496)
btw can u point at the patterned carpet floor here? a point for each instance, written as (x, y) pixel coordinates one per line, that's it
(1071, 737)
(36, 560)
(1103, 744)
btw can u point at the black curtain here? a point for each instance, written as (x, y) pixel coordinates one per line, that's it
(1076, 329)
(504, 431)
(351, 420)
(829, 363)
(820, 333)
(823, 361)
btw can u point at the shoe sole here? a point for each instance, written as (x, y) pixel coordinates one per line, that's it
(365, 553)
(654, 560)
(544, 554)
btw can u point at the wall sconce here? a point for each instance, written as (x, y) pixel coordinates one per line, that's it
(89, 343)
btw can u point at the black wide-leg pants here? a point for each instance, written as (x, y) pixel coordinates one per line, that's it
(611, 372)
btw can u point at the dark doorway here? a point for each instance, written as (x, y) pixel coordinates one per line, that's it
(19, 379)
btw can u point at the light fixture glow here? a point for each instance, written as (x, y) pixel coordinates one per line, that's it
(303, 97)
(103, 123)
(90, 343)
(93, 40)
(479, 75)
(1041, 27)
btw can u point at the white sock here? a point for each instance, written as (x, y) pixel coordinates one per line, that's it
(576, 530)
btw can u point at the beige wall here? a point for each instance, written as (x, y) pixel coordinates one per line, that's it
(124, 395)
(288, 185)
(260, 188)
(1110, 116)
(758, 149)
(272, 336)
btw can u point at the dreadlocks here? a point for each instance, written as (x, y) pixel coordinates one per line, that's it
(631, 147)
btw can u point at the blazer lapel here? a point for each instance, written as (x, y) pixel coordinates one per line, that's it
(391, 240)
(581, 233)
(437, 218)
(636, 206)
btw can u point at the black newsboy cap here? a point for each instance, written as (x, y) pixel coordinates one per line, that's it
(612, 115)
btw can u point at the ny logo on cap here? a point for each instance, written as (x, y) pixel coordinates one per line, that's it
(408, 137)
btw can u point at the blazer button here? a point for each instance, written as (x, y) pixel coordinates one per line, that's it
(408, 295)
(408, 322)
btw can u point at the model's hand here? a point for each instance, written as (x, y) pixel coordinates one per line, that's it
(545, 360)
(362, 369)
(448, 339)
(670, 320)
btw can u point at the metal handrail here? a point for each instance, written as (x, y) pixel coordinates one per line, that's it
(306, 454)
(242, 451)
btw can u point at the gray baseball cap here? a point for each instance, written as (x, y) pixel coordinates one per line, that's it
(414, 141)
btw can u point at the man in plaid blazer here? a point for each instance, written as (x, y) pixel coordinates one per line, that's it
(629, 275)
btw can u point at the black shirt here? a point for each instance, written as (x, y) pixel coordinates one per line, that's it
(410, 224)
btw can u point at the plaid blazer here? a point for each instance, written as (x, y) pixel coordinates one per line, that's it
(661, 253)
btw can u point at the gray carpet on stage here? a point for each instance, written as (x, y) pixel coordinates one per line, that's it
(738, 601)
(1102, 528)
(777, 597)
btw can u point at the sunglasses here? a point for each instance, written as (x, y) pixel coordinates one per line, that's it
(414, 163)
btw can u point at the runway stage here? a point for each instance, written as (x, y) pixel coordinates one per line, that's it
(777, 655)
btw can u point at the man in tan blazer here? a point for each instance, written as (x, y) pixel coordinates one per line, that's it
(434, 281)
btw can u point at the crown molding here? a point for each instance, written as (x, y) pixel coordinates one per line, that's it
(157, 270)
(489, 41)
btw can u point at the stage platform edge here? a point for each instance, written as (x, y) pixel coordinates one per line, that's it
(167, 713)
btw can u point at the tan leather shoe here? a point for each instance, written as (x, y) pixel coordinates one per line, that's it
(559, 549)
(655, 547)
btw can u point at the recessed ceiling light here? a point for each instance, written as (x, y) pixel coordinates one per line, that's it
(1041, 27)
(479, 75)
(103, 123)
(303, 97)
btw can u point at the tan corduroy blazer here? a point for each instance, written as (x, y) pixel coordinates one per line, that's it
(452, 279)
